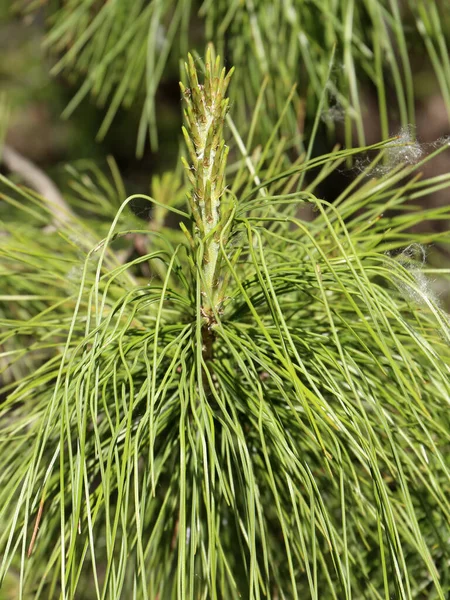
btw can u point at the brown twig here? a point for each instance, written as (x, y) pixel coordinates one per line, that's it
(37, 180)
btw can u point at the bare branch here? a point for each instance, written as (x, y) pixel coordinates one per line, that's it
(39, 181)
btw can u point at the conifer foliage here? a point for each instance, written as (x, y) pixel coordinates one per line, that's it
(253, 405)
